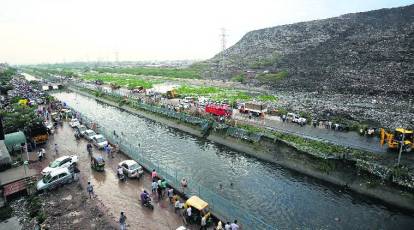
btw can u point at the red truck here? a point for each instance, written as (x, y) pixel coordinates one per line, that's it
(219, 110)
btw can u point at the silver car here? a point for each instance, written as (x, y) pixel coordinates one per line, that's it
(131, 168)
(54, 179)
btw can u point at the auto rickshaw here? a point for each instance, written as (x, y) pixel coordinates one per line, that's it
(98, 163)
(199, 208)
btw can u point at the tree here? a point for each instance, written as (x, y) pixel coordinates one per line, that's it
(20, 118)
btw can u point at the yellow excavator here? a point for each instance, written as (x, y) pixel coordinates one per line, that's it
(394, 139)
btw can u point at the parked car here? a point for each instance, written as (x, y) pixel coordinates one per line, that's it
(61, 162)
(81, 129)
(89, 134)
(131, 168)
(299, 120)
(99, 141)
(54, 179)
(74, 123)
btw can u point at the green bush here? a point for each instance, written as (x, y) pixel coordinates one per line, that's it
(41, 217)
(265, 98)
(239, 78)
(5, 213)
(272, 77)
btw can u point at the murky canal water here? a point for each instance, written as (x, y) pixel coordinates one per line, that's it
(279, 196)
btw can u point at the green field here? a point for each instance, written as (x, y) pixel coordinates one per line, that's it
(125, 81)
(222, 94)
(189, 73)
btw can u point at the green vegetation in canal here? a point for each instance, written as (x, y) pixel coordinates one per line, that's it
(127, 81)
(190, 73)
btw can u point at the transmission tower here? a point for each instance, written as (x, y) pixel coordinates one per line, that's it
(223, 36)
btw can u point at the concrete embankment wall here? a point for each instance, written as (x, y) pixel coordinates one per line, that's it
(338, 172)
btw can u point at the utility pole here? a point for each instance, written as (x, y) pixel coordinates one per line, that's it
(403, 136)
(401, 148)
(223, 36)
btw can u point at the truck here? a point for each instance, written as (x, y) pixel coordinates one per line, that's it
(218, 110)
(256, 108)
(38, 134)
(172, 94)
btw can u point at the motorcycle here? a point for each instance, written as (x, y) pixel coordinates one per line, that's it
(77, 136)
(121, 177)
(148, 204)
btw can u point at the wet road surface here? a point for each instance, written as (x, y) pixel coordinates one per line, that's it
(116, 196)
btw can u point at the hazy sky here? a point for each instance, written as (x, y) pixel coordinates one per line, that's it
(38, 31)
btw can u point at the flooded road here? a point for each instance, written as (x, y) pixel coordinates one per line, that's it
(282, 198)
(116, 196)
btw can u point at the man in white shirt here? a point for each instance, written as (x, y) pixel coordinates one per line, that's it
(234, 225)
(227, 226)
(189, 214)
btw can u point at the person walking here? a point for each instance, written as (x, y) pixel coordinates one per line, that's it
(159, 191)
(203, 223)
(76, 172)
(227, 226)
(188, 212)
(234, 225)
(170, 194)
(153, 174)
(90, 190)
(154, 186)
(89, 148)
(184, 184)
(56, 149)
(122, 221)
(40, 155)
(219, 225)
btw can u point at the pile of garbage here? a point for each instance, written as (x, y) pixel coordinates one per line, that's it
(23, 89)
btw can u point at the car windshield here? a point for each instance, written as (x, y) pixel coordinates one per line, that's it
(100, 139)
(91, 134)
(47, 178)
(134, 166)
(81, 129)
(54, 164)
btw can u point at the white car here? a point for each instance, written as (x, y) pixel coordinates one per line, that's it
(99, 141)
(81, 129)
(74, 123)
(131, 168)
(54, 179)
(61, 162)
(89, 134)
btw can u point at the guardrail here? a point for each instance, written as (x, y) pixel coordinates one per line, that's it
(220, 206)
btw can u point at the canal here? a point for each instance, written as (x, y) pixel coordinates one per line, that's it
(281, 197)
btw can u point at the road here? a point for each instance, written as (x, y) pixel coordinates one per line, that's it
(347, 139)
(114, 195)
